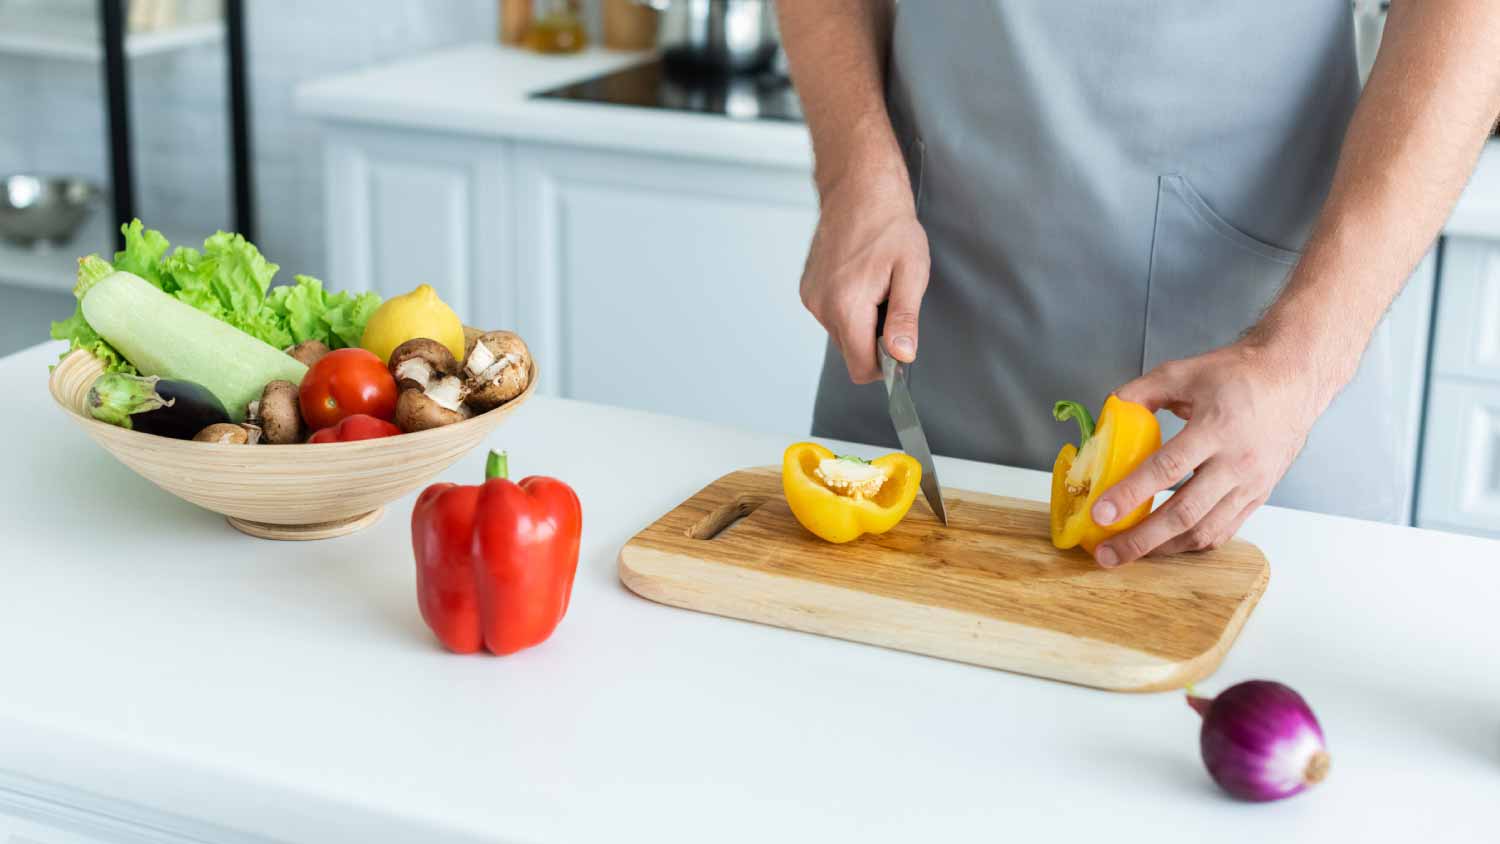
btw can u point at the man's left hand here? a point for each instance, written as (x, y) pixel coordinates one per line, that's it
(1248, 410)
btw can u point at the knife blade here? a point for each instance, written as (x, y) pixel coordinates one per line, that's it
(904, 417)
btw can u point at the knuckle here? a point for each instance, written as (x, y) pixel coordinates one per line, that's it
(1124, 495)
(1169, 370)
(903, 318)
(842, 316)
(1184, 515)
(809, 297)
(1247, 464)
(1247, 495)
(1200, 539)
(1131, 547)
(1169, 466)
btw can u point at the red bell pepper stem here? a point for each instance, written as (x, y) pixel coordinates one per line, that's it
(497, 466)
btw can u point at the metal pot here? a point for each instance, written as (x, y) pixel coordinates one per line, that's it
(717, 36)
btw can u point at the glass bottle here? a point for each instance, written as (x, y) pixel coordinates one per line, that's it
(556, 26)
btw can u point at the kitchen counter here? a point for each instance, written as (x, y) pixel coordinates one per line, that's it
(163, 671)
(485, 89)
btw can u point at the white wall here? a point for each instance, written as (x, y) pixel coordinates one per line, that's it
(291, 41)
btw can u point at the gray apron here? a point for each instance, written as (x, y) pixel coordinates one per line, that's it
(1106, 186)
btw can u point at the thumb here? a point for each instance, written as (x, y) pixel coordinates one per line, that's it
(1154, 390)
(908, 283)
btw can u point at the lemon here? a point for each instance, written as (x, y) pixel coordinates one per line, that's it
(419, 313)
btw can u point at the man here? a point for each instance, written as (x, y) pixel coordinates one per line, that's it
(1108, 197)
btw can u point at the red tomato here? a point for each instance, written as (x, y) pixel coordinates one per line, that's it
(343, 383)
(356, 427)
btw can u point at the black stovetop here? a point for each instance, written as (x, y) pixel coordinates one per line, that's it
(764, 96)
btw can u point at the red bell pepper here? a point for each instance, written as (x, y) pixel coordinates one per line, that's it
(495, 562)
(360, 426)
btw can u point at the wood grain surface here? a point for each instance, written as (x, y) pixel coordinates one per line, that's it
(988, 589)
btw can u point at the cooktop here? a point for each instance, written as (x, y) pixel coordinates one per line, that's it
(764, 96)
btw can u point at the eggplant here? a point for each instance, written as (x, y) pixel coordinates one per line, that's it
(177, 409)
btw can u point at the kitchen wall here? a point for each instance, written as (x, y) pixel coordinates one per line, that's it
(51, 121)
(291, 41)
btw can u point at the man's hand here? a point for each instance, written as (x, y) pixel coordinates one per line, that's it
(1424, 116)
(868, 249)
(1248, 410)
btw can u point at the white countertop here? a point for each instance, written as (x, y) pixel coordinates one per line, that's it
(160, 667)
(484, 89)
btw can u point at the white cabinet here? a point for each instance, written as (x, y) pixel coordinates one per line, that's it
(668, 284)
(1459, 487)
(406, 208)
(1468, 337)
(662, 283)
(1461, 468)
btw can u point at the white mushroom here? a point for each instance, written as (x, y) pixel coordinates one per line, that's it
(497, 368)
(432, 394)
(418, 410)
(308, 352)
(228, 433)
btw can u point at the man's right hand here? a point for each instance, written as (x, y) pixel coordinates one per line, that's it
(868, 249)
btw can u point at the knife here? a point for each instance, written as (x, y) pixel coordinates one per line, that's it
(904, 418)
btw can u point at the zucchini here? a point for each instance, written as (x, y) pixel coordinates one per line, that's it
(171, 339)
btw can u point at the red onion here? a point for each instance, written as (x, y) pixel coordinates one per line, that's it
(1260, 741)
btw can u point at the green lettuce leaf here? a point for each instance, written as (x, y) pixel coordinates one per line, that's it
(77, 331)
(346, 317)
(143, 252)
(230, 280)
(300, 307)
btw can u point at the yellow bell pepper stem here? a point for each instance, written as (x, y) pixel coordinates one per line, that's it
(840, 498)
(1127, 433)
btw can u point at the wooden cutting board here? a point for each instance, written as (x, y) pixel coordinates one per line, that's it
(987, 589)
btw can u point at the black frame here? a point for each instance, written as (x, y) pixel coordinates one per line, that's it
(117, 90)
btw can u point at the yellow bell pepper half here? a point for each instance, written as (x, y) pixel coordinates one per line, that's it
(1126, 435)
(841, 498)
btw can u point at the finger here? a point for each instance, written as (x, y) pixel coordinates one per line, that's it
(855, 333)
(1171, 463)
(908, 284)
(1239, 521)
(1156, 389)
(1181, 514)
(1216, 528)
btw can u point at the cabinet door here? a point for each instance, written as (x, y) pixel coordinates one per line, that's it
(1468, 320)
(1460, 484)
(668, 284)
(408, 208)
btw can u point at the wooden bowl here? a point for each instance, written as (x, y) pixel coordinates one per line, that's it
(300, 491)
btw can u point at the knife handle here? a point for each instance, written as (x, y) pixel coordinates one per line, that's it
(880, 326)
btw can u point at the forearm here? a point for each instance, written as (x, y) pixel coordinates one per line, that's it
(837, 50)
(1431, 100)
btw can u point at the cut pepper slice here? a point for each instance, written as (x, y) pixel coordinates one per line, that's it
(841, 503)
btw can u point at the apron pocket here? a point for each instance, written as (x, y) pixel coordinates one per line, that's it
(1209, 281)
